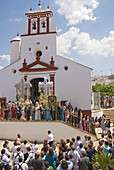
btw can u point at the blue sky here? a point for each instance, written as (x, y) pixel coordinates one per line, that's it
(85, 30)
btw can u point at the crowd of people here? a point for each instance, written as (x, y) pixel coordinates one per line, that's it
(72, 154)
(37, 112)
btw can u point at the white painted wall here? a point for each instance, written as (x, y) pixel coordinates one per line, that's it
(15, 51)
(38, 131)
(73, 85)
(31, 42)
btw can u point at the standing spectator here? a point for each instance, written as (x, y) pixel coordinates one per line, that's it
(106, 148)
(103, 125)
(21, 165)
(18, 111)
(58, 111)
(28, 111)
(23, 112)
(33, 112)
(37, 111)
(37, 163)
(24, 149)
(13, 109)
(84, 162)
(48, 117)
(76, 155)
(63, 113)
(35, 147)
(80, 149)
(85, 140)
(10, 112)
(77, 142)
(51, 158)
(17, 155)
(6, 110)
(5, 160)
(90, 152)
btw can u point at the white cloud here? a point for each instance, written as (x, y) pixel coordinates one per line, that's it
(84, 44)
(1, 67)
(76, 11)
(59, 30)
(5, 57)
(16, 20)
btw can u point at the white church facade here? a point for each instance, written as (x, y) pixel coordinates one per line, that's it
(34, 56)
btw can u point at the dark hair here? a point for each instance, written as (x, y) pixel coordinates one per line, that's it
(49, 131)
(35, 142)
(68, 140)
(110, 144)
(89, 137)
(106, 142)
(64, 165)
(15, 143)
(81, 145)
(51, 152)
(25, 141)
(29, 149)
(2, 151)
(102, 135)
(18, 149)
(18, 135)
(78, 137)
(73, 139)
(4, 145)
(67, 157)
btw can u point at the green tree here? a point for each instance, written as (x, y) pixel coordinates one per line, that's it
(101, 161)
(106, 90)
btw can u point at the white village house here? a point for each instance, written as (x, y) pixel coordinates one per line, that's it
(34, 56)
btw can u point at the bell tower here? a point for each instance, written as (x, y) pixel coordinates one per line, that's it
(39, 35)
(39, 21)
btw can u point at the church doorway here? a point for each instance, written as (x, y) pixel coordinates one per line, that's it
(34, 89)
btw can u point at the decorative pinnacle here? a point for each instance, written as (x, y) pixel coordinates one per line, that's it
(39, 3)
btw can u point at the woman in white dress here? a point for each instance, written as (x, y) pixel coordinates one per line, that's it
(23, 112)
(37, 111)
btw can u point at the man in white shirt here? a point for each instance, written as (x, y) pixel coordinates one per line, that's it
(7, 153)
(24, 148)
(85, 140)
(14, 148)
(50, 138)
(77, 142)
(21, 165)
(5, 160)
(17, 155)
(35, 147)
(31, 156)
(80, 149)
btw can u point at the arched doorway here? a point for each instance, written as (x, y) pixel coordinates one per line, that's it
(34, 89)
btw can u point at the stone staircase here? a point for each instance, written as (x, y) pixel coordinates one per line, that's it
(109, 113)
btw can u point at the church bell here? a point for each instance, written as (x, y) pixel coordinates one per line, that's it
(43, 24)
(34, 25)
